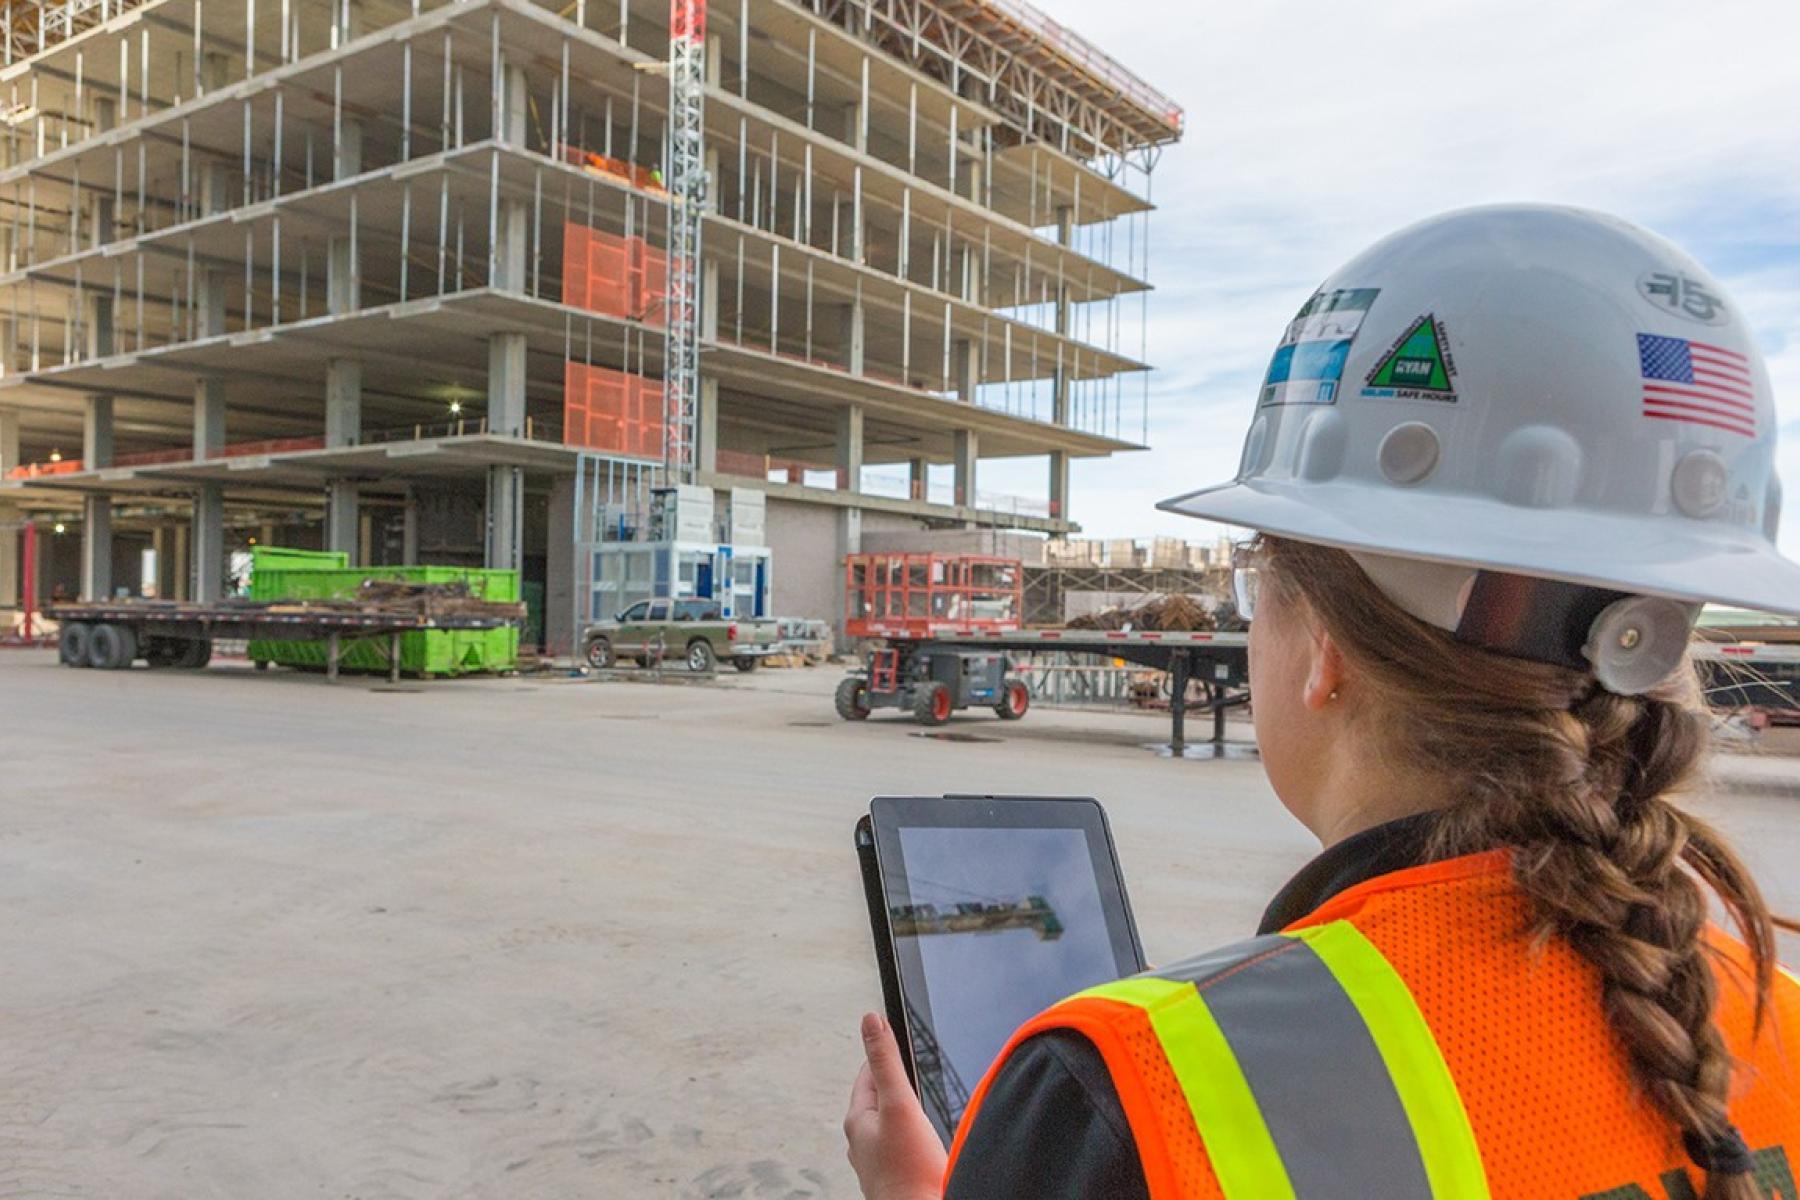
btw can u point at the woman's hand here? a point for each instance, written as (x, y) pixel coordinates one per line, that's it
(894, 1149)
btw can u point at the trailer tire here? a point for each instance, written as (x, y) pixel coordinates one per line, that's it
(598, 653)
(932, 703)
(701, 658)
(1015, 699)
(112, 647)
(195, 654)
(162, 652)
(852, 701)
(745, 663)
(72, 644)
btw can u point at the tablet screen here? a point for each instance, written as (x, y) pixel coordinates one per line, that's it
(998, 909)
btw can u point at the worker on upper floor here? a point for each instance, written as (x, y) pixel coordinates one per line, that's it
(1496, 466)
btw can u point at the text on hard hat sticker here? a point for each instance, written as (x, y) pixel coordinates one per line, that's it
(1310, 360)
(1418, 366)
(1683, 296)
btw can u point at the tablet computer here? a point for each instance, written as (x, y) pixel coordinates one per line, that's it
(986, 910)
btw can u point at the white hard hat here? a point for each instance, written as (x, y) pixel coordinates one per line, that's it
(1537, 391)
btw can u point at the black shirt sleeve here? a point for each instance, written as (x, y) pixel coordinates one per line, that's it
(1051, 1128)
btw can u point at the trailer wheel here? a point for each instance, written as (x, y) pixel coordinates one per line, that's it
(599, 653)
(72, 645)
(745, 663)
(853, 699)
(195, 654)
(932, 704)
(112, 647)
(1015, 698)
(700, 657)
(162, 652)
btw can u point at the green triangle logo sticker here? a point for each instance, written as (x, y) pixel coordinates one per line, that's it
(1417, 365)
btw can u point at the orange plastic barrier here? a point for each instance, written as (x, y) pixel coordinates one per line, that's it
(67, 466)
(613, 411)
(619, 276)
(639, 177)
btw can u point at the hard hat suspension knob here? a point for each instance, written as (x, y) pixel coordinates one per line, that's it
(1635, 643)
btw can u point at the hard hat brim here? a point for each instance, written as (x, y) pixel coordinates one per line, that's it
(1707, 563)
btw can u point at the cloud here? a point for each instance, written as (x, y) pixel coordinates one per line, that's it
(1314, 128)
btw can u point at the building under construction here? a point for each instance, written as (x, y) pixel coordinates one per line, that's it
(396, 279)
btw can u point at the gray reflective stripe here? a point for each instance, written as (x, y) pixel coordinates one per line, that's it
(1203, 967)
(1319, 1080)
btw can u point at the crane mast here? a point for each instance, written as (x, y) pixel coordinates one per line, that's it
(687, 186)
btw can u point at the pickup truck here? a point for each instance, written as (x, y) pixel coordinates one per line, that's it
(691, 630)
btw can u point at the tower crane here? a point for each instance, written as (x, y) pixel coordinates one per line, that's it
(941, 1088)
(687, 186)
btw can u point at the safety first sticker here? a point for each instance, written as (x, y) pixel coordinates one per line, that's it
(1416, 367)
(1309, 363)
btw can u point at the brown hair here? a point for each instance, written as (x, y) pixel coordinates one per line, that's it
(1576, 782)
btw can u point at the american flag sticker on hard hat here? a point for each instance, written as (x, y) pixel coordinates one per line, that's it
(1696, 383)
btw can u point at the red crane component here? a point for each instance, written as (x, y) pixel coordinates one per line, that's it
(927, 595)
(687, 19)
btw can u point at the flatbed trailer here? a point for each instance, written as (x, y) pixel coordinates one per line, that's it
(906, 671)
(170, 633)
(1761, 677)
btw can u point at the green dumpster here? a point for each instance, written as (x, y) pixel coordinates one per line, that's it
(277, 574)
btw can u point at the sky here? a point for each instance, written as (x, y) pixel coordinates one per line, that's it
(1315, 127)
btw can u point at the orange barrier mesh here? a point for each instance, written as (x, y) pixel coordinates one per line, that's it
(618, 276)
(612, 410)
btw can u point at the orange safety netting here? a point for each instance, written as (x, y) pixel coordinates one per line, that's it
(618, 276)
(613, 411)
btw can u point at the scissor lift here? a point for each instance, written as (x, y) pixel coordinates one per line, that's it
(907, 600)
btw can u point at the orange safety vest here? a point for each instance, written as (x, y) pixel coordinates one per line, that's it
(1407, 1041)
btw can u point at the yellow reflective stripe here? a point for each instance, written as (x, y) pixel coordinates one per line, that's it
(1434, 1108)
(1224, 1109)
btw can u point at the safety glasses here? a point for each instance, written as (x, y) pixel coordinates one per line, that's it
(1246, 578)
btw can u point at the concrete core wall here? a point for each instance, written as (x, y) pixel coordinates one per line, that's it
(803, 539)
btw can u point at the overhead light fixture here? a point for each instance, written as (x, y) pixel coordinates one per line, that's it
(56, 456)
(61, 528)
(455, 407)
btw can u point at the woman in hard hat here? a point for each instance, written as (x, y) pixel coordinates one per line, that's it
(1498, 463)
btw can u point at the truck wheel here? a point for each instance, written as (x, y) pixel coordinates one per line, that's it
(744, 663)
(1015, 698)
(853, 699)
(931, 704)
(700, 657)
(112, 647)
(599, 653)
(72, 645)
(162, 652)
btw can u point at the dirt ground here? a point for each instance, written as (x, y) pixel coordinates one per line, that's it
(541, 937)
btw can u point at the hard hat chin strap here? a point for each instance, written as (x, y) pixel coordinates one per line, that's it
(1630, 643)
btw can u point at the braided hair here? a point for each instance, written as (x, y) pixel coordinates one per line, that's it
(1575, 781)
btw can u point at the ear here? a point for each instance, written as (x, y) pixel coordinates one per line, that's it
(1325, 672)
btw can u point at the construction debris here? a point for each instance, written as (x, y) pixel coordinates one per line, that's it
(428, 600)
(1168, 614)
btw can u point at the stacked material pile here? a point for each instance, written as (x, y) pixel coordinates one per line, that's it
(1166, 614)
(427, 600)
